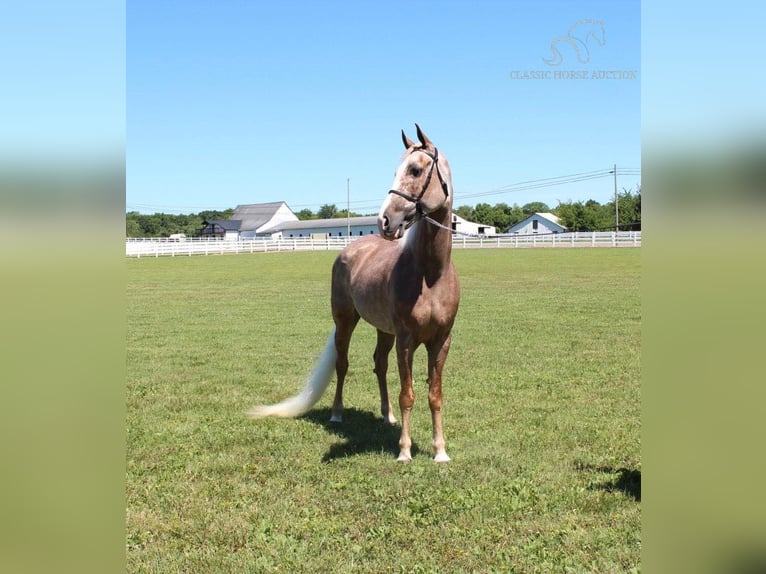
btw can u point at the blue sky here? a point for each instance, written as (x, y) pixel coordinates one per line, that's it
(245, 102)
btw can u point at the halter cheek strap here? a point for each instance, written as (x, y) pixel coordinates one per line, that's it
(417, 200)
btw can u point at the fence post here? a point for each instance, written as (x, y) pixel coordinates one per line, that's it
(593, 239)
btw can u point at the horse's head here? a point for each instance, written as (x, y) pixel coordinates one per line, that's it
(422, 185)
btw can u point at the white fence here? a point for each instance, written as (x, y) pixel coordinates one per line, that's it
(195, 246)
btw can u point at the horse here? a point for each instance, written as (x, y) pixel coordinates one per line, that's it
(577, 37)
(403, 283)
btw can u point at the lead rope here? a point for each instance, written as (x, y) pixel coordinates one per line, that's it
(453, 231)
(478, 235)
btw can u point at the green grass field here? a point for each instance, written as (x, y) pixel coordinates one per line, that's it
(542, 421)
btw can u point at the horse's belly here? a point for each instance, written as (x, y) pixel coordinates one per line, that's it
(374, 309)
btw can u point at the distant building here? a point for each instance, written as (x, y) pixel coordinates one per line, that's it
(276, 220)
(220, 229)
(366, 225)
(258, 217)
(248, 221)
(461, 225)
(538, 223)
(336, 227)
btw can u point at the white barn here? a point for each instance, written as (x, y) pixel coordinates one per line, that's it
(257, 218)
(249, 221)
(336, 227)
(538, 223)
(461, 225)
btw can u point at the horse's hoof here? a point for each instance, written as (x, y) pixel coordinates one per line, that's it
(442, 457)
(404, 457)
(336, 419)
(389, 420)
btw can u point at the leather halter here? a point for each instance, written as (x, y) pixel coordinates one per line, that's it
(418, 200)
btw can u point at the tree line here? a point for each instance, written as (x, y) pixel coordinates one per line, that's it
(575, 216)
(166, 224)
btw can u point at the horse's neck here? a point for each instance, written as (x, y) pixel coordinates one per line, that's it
(432, 246)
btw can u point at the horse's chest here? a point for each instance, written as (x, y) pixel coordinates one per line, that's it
(430, 308)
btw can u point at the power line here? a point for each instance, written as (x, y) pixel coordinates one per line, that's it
(551, 182)
(374, 203)
(519, 186)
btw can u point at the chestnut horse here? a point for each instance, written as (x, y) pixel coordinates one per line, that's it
(403, 283)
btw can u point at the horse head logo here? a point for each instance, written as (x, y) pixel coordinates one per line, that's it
(577, 37)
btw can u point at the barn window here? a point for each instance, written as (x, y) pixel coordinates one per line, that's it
(534, 225)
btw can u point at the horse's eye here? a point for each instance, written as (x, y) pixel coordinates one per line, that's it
(415, 171)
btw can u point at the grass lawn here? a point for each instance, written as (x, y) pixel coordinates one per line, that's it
(541, 414)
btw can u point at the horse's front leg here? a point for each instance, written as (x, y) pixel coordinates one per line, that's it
(404, 353)
(437, 355)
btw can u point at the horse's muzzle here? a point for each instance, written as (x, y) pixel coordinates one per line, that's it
(396, 215)
(389, 230)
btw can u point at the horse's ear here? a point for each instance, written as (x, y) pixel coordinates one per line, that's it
(422, 137)
(408, 143)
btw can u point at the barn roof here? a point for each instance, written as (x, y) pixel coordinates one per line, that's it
(552, 218)
(227, 224)
(256, 215)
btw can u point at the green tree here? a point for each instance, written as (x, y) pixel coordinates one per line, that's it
(327, 211)
(630, 209)
(572, 215)
(342, 213)
(535, 207)
(305, 214)
(482, 213)
(515, 215)
(165, 224)
(465, 211)
(132, 226)
(215, 214)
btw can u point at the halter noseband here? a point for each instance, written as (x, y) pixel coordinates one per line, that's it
(417, 200)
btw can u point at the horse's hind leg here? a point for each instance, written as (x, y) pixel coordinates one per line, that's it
(382, 350)
(345, 322)
(404, 351)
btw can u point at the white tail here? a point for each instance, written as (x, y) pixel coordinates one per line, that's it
(311, 393)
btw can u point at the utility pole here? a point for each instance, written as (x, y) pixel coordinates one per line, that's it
(348, 206)
(616, 203)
